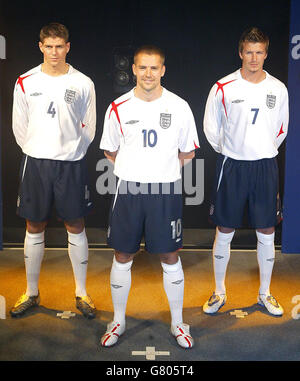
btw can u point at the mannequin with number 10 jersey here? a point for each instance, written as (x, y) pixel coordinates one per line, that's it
(148, 136)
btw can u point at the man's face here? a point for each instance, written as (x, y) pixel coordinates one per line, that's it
(54, 50)
(253, 56)
(148, 70)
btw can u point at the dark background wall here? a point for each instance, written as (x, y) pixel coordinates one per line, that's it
(200, 40)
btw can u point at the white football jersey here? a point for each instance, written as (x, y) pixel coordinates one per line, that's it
(244, 120)
(54, 117)
(148, 136)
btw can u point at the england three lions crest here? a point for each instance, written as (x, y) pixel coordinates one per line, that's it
(271, 101)
(165, 120)
(70, 96)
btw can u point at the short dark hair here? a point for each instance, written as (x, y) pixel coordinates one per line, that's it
(54, 29)
(253, 34)
(150, 49)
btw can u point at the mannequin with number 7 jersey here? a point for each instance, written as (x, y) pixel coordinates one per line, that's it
(246, 120)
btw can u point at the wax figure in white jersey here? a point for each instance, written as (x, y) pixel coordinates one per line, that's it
(148, 132)
(245, 121)
(54, 121)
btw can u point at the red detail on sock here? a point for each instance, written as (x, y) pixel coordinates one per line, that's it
(82, 125)
(114, 107)
(20, 82)
(220, 87)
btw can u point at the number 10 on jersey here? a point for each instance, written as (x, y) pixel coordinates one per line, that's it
(149, 138)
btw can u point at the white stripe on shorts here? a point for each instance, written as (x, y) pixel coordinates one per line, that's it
(25, 164)
(116, 195)
(221, 172)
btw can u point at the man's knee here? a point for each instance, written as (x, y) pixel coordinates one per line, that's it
(75, 226)
(123, 257)
(169, 258)
(35, 227)
(265, 239)
(225, 230)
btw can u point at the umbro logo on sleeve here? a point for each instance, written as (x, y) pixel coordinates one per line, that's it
(132, 122)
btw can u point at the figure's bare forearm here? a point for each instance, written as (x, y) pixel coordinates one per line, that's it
(185, 157)
(111, 156)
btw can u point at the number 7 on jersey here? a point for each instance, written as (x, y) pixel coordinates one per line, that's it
(255, 114)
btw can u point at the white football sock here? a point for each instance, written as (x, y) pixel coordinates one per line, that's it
(173, 280)
(221, 255)
(265, 258)
(120, 283)
(34, 246)
(79, 253)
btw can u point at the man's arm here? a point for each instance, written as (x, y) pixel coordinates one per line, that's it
(283, 119)
(111, 156)
(188, 138)
(110, 140)
(212, 120)
(88, 122)
(185, 157)
(19, 115)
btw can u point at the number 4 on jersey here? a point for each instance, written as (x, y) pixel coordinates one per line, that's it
(51, 110)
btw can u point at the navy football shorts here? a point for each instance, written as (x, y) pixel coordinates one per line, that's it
(44, 183)
(241, 185)
(155, 213)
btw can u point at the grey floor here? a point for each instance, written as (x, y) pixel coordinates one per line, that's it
(43, 336)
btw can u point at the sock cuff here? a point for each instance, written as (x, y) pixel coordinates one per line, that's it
(172, 268)
(265, 239)
(224, 238)
(122, 266)
(77, 239)
(35, 237)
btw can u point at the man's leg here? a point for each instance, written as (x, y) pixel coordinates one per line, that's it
(78, 253)
(173, 280)
(34, 246)
(125, 232)
(264, 211)
(221, 256)
(120, 283)
(265, 258)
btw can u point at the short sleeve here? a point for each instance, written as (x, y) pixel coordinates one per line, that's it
(188, 138)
